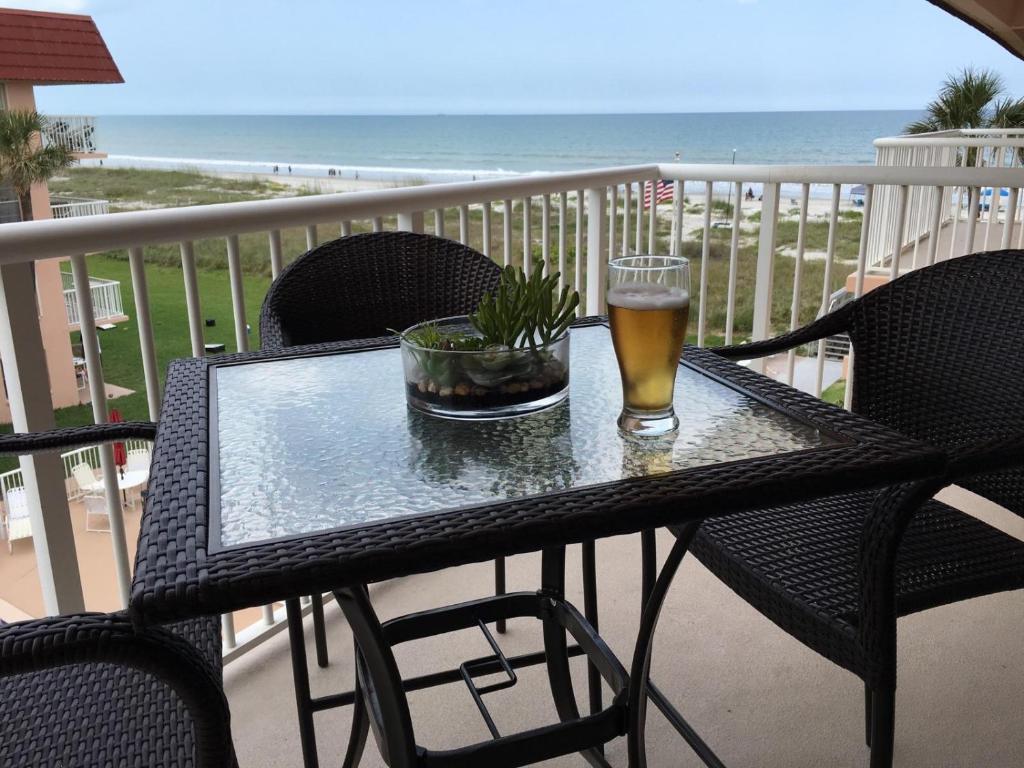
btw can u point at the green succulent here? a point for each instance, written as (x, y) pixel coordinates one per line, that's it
(524, 311)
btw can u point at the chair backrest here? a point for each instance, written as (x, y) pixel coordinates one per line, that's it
(83, 475)
(938, 355)
(96, 505)
(17, 502)
(363, 285)
(138, 459)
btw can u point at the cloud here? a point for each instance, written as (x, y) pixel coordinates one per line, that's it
(58, 6)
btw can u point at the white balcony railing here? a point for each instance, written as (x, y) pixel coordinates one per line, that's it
(63, 207)
(104, 294)
(575, 221)
(77, 133)
(969, 147)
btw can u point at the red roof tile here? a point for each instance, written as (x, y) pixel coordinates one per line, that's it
(51, 48)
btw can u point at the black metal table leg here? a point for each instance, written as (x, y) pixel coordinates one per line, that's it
(360, 724)
(648, 565)
(319, 630)
(556, 649)
(499, 589)
(380, 676)
(300, 675)
(641, 666)
(590, 611)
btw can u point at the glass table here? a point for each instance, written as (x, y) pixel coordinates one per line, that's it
(280, 474)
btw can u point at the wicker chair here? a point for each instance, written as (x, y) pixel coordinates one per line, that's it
(91, 689)
(938, 356)
(365, 286)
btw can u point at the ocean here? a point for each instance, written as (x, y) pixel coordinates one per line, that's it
(457, 147)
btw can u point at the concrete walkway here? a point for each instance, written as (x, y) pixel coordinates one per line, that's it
(758, 697)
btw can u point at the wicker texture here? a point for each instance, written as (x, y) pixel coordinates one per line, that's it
(95, 690)
(363, 286)
(937, 356)
(177, 575)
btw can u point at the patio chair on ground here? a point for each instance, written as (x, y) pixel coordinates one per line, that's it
(16, 524)
(365, 286)
(96, 506)
(92, 689)
(86, 479)
(937, 356)
(139, 460)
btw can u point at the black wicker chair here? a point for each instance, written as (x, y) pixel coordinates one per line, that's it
(92, 690)
(938, 356)
(365, 286)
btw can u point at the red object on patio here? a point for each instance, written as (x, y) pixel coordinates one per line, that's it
(120, 452)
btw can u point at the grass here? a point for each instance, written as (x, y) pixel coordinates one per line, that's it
(835, 393)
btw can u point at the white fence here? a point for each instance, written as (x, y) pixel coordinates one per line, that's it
(63, 207)
(90, 456)
(105, 296)
(574, 222)
(77, 133)
(905, 216)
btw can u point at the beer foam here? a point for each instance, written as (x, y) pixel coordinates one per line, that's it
(648, 296)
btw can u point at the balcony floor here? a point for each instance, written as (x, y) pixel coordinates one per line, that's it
(756, 695)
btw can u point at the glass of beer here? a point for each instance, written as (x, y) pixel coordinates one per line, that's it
(648, 309)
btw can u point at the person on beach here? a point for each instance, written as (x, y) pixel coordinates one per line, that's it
(289, 169)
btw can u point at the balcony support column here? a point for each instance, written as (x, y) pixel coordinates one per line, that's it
(765, 265)
(28, 391)
(411, 222)
(597, 251)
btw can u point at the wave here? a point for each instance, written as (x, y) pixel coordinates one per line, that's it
(320, 169)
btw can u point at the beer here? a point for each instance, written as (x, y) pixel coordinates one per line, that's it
(648, 310)
(648, 329)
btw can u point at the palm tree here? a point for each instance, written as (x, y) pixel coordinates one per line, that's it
(971, 98)
(24, 159)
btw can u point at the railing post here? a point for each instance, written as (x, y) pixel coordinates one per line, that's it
(98, 394)
(597, 251)
(28, 392)
(411, 221)
(765, 265)
(146, 343)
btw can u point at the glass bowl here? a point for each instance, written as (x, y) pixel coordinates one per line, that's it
(491, 383)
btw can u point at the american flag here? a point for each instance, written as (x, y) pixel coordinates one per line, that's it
(664, 192)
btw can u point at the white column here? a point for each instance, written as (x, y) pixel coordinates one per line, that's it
(146, 343)
(98, 393)
(237, 294)
(195, 318)
(28, 392)
(597, 251)
(765, 264)
(411, 221)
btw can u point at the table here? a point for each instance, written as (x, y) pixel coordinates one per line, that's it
(278, 474)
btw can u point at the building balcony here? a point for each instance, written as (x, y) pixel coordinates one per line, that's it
(719, 659)
(106, 301)
(62, 207)
(77, 133)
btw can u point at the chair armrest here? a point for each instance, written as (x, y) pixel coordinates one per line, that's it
(829, 325)
(1000, 453)
(74, 437)
(94, 638)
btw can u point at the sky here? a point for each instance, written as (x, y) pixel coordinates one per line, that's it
(528, 56)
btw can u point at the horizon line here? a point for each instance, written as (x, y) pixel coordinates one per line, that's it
(496, 114)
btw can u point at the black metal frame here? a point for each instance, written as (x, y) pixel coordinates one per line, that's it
(379, 696)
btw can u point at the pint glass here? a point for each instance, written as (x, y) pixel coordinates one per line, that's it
(648, 309)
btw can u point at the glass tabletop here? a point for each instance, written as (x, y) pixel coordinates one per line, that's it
(308, 444)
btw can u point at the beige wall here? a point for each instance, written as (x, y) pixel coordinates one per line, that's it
(52, 315)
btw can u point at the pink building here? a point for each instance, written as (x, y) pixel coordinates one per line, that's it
(39, 49)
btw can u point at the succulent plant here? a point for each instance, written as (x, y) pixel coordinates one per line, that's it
(523, 311)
